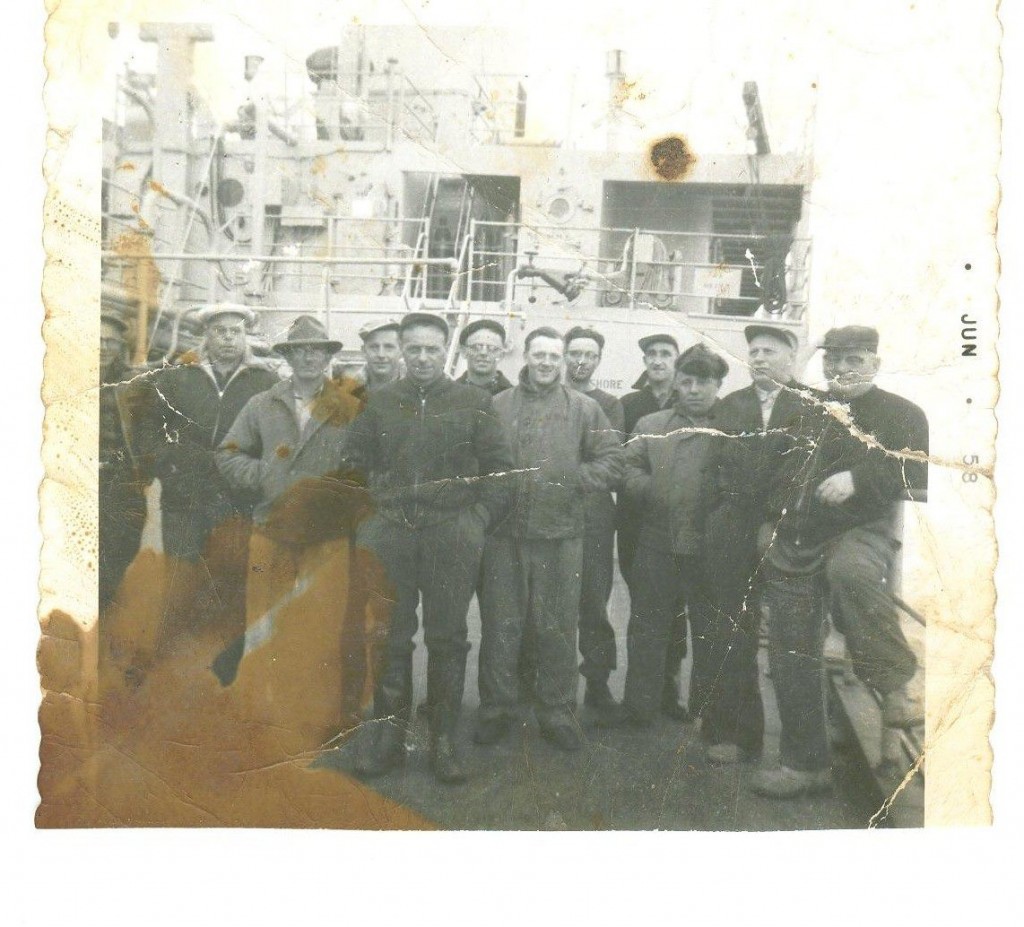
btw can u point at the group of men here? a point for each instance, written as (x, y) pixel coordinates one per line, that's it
(775, 500)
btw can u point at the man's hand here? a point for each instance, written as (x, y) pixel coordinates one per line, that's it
(836, 489)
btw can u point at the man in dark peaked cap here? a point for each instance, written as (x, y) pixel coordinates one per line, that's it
(665, 481)
(424, 443)
(482, 343)
(832, 521)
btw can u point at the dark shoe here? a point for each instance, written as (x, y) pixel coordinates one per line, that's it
(724, 754)
(491, 730)
(383, 754)
(619, 716)
(444, 761)
(783, 782)
(562, 735)
(598, 695)
(672, 708)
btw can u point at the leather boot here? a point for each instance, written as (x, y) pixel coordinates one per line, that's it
(444, 762)
(383, 753)
(392, 705)
(446, 680)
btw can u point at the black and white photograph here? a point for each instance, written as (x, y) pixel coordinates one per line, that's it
(526, 422)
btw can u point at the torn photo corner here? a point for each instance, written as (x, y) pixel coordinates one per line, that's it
(519, 421)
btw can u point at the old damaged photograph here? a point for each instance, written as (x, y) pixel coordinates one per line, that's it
(539, 425)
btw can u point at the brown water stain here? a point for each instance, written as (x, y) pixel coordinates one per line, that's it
(672, 158)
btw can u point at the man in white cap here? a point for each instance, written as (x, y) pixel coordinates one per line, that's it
(383, 354)
(187, 410)
(732, 725)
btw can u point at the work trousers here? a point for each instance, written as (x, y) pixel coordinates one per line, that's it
(668, 591)
(853, 581)
(530, 584)
(122, 514)
(597, 636)
(439, 563)
(734, 713)
(858, 568)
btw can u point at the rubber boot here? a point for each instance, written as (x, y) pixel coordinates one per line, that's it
(446, 680)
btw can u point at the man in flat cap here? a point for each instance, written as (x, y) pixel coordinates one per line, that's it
(583, 350)
(296, 679)
(482, 343)
(832, 526)
(427, 445)
(188, 408)
(732, 719)
(382, 353)
(654, 391)
(666, 481)
(563, 449)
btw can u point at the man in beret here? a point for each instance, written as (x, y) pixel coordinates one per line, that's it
(382, 354)
(427, 445)
(563, 449)
(186, 411)
(482, 343)
(583, 349)
(299, 676)
(830, 540)
(732, 719)
(655, 390)
(666, 481)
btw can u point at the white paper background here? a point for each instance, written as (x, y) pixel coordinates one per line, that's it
(151, 877)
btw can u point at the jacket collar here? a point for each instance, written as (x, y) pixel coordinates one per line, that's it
(439, 386)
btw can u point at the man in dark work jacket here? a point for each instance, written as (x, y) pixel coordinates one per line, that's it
(732, 724)
(188, 410)
(654, 393)
(832, 517)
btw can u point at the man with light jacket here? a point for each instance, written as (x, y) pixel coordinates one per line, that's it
(667, 480)
(563, 448)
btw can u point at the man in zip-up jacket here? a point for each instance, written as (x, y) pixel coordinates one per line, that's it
(429, 447)
(186, 411)
(564, 447)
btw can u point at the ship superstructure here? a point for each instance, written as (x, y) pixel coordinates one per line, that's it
(369, 193)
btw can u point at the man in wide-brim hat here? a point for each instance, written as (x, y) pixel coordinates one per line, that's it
(301, 664)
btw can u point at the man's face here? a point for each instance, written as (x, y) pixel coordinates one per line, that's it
(697, 394)
(582, 356)
(544, 360)
(308, 362)
(771, 361)
(660, 359)
(225, 340)
(382, 352)
(483, 351)
(423, 347)
(849, 371)
(111, 344)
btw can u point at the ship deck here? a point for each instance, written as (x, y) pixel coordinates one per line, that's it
(657, 778)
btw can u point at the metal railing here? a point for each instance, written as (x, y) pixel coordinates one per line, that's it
(675, 272)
